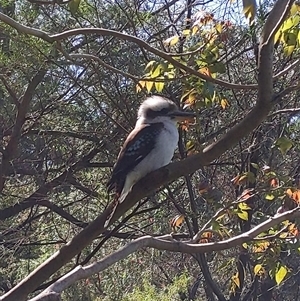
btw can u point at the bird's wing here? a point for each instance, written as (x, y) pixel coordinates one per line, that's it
(137, 146)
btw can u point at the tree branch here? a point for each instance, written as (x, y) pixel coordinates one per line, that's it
(22, 107)
(161, 243)
(106, 32)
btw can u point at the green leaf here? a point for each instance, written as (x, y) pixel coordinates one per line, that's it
(280, 274)
(217, 68)
(74, 5)
(290, 39)
(284, 144)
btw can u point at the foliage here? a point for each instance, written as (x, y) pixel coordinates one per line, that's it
(61, 137)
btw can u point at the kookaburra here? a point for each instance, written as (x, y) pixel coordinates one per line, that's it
(149, 146)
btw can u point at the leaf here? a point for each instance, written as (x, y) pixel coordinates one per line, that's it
(159, 86)
(249, 10)
(205, 237)
(274, 182)
(171, 41)
(176, 222)
(218, 67)
(270, 197)
(186, 32)
(289, 192)
(261, 247)
(295, 195)
(288, 50)
(156, 72)
(246, 194)
(205, 71)
(191, 99)
(244, 206)
(149, 85)
(277, 36)
(280, 274)
(257, 269)
(284, 144)
(224, 103)
(236, 280)
(287, 24)
(254, 165)
(74, 5)
(150, 65)
(195, 30)
(243, 215)
(295, 9)
(141, 84)
(219, 27)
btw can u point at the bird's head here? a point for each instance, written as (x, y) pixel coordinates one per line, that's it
(160, 109)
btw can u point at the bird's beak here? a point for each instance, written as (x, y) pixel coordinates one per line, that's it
(183, 116)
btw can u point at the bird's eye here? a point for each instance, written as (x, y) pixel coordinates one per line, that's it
(164, 111)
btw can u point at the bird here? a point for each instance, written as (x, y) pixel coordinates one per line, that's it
(149, 146)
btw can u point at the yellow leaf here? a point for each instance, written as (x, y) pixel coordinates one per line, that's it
(149, 85)
(219, 27)
(294, 9)
(191, 98)
(141, 84)
(270, 197)
(236, 279)
(289, 192)
(244, 206)
(205, 71)
(177, 221)
(156, 72)
(224, 103)
(277, 36)
(288, 50)
(159, 86)
(257, 269)
(249, 10)
(171, 41)
(280, 274)
(261, 247)
(150, 65)
(243, 215)
(186, 32)
(195, 30)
